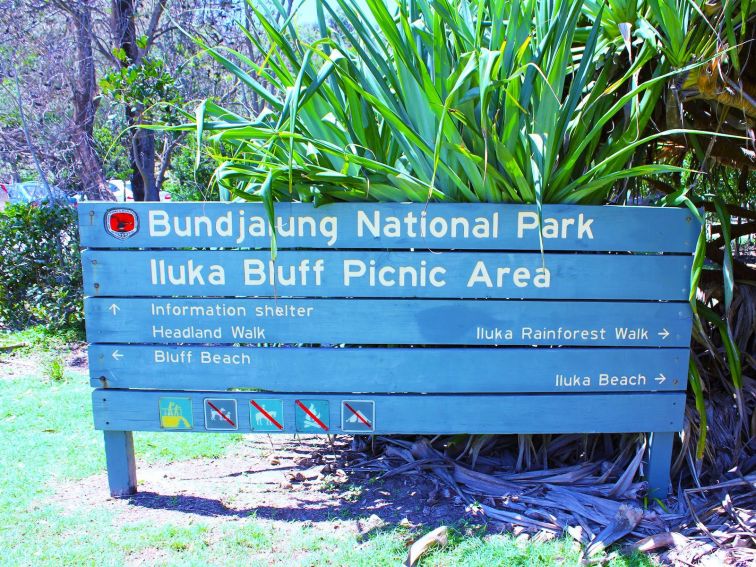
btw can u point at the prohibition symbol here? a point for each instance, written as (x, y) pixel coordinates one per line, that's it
(312, 416)
(357, 415)
(221, 414)
(266, 415)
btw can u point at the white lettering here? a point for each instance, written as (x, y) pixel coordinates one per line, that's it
(584, 227)
(158, 221)
(522, 226)
(353, 269)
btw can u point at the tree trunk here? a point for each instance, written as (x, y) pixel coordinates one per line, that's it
(165, 158)
(85, 104)
(27, 133)
(142, 147)
(143, 158)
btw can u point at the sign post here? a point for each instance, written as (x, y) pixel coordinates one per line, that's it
(387, 318)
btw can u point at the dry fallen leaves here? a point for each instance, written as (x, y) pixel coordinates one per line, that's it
(439, 536)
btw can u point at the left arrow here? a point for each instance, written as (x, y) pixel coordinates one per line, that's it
(117, 355)
(114, 309)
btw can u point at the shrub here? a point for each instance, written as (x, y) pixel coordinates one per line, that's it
(114, 151)
(40, 267)
(55, 369)
(187, 183)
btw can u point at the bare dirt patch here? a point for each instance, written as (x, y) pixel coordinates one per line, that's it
(281, 479)
(16, 360)
(77, 357)
(12, 367)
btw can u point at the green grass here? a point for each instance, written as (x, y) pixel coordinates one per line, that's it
(40, 340)
(47, 439)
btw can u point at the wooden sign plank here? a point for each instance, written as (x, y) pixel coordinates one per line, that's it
(432, 414)
(435, 226)
(418, 370)
(385, 274)
(387, 321)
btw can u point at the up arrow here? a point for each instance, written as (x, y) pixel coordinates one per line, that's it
(114, 309)
(118, 356)
(660, 378)
(664, 333)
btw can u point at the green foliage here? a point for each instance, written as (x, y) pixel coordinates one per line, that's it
(9, 115)
(185, 182)
(113, 151)
(528, 101)
(41, 340)
(145, 87)
(55, 369)
(450, 101)
(40, 267)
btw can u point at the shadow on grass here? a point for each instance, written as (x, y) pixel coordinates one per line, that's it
(389, 510)
(467, 538)
(209, 507)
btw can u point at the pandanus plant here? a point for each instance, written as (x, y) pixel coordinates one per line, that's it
(523, 101)
(494, 100)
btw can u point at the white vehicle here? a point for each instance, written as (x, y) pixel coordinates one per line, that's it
(120, 191)
(123, 193)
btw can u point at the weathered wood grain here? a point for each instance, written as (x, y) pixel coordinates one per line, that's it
(248, 273)
(432, 414)
(619, 229)
(600, 343)
(396, 370)
(387, 321)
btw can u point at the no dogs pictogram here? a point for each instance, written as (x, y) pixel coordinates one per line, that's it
(221, 414)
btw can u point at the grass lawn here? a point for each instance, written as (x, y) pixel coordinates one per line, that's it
(48, 445)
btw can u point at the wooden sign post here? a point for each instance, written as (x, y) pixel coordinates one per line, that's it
(579, 323)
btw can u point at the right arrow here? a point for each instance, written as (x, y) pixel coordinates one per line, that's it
(660, 378)
(664, 333)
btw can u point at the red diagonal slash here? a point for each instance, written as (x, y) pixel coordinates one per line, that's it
(259, 408)
(220, 413)
(313, 416)
(359, 415)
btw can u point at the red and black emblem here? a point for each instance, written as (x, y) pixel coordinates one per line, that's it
(121, 223)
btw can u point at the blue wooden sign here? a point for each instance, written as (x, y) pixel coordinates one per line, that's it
(435, 226)
(567, 370)
(124, 410)
(386, 318)
(387, 321)
(478, 275)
